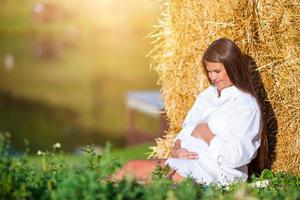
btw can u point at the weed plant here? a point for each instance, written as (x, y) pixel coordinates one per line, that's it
(51, 177)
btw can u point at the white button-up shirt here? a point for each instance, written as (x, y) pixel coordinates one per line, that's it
(234, 118)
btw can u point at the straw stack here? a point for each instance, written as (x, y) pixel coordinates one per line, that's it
(267, 31)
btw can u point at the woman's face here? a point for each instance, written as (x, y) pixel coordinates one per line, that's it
(218, 75)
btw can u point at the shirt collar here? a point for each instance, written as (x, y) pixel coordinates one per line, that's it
(228, 93)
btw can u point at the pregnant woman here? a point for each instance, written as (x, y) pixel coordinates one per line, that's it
(222, 131)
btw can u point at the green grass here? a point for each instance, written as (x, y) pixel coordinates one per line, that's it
(139, 151)
(53, 175)
(132, 153)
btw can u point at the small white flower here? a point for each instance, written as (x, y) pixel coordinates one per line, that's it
(39, 152)
(56, 145)
(261, 184)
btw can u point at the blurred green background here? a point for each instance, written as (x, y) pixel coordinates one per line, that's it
(65, 68)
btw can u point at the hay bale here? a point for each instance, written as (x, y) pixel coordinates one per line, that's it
(266, 31)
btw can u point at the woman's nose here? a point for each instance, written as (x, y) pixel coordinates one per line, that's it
(213, 76)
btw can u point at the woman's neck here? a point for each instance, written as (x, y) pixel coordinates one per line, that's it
(219, 91)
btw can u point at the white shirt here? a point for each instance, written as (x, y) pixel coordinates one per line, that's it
(234, 119)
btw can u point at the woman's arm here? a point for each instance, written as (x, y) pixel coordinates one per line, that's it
(203, 132)
(194, 115)
(241, 147)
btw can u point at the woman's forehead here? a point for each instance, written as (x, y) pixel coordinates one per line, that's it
(213, 65)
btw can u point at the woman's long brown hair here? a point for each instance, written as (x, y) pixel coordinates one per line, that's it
(229, 54)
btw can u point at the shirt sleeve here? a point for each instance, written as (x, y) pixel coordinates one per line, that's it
(241, 148)
(185, 132)
(191, 120)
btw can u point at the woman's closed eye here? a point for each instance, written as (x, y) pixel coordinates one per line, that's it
(215, 71)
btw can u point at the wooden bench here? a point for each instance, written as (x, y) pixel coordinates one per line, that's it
(149, 103)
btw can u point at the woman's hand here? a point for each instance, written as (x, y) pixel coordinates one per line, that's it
(183, 153)
(177, 144)
(203, 132)
(178, 152)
